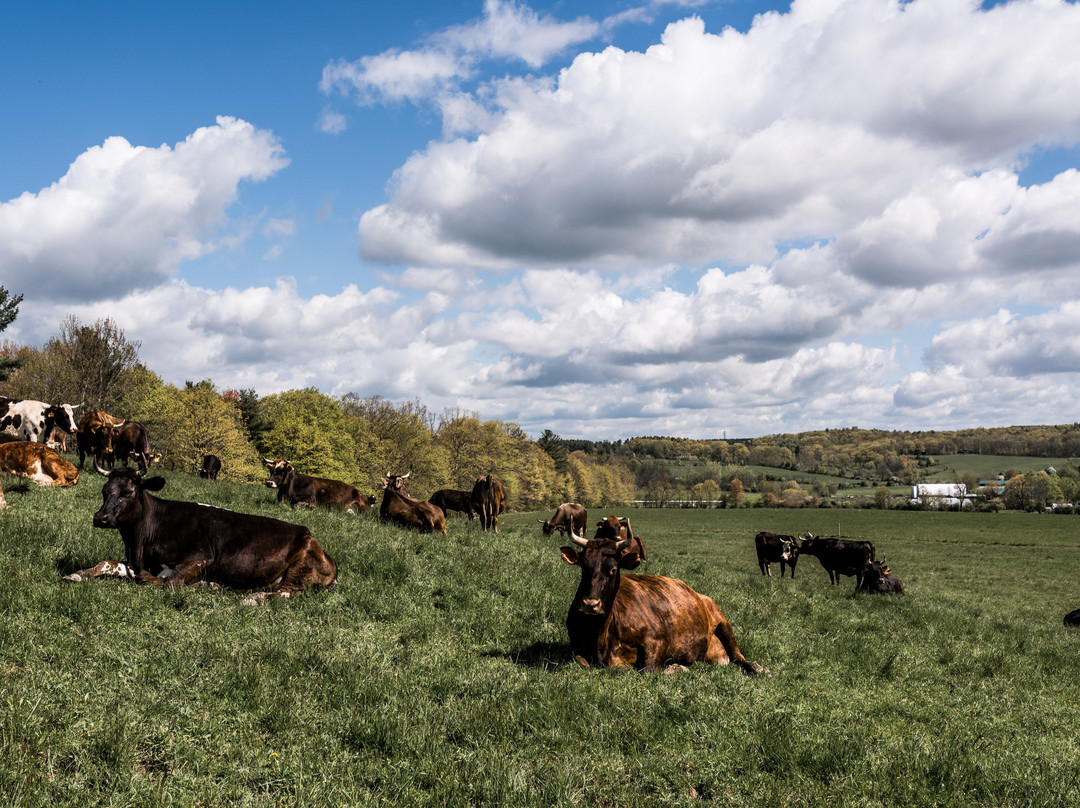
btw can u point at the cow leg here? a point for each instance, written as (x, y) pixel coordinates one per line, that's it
(726, 636)
(105, 569)
(185, 573)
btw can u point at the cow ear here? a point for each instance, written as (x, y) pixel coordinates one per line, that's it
(629, 560)
(569, 555)
(153, 483)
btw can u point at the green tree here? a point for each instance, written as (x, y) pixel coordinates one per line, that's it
(186, 424)
(555, 448)
(309, 430)
(9, 310)
(92, 365)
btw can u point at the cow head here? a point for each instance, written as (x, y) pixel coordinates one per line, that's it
(279, 470)
(549, 528)
(807, 545)
(121, 496)
(600, 561)
(396, 483)
(789, 551)
(62, 416)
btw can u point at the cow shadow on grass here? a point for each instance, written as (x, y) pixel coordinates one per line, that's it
(542, 655)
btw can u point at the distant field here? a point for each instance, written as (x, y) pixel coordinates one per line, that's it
(437, 671)
(987, 467)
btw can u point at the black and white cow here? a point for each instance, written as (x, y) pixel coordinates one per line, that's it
(34, 421)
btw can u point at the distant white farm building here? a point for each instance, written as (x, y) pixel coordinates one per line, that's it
(941, 495)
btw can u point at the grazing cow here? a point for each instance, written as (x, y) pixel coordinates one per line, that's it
(775, 548)
(38, 463)
(34, 421)
(618, 528)
(839, 556)
(1073, 618)
(401, 509)
(489, 500)
(568, 517)
(129, 440)
(447, 499)
(211, 465)
(302, 491)
(642, 621)
(94, 436)
(176, 543)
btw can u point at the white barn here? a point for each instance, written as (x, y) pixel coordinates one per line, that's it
(941, 495)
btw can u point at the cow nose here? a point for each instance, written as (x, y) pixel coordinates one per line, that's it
(590, 605)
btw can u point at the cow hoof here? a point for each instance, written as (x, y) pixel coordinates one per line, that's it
(754, 669)
(675, 668)
(254, 600)
(74, 577)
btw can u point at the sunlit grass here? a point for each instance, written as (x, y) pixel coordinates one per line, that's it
(437, 672)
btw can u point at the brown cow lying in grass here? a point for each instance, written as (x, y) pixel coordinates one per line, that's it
(37, 462)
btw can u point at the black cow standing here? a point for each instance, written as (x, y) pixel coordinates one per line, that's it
(775, 548)
(211, 465)
(840, 556)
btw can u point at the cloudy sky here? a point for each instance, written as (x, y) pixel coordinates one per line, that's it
(607, 218)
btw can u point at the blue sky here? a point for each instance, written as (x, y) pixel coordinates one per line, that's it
(603, 218)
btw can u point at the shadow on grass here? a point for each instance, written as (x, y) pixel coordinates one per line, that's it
(543, 655)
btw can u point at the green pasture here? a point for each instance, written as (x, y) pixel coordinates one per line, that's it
(987, 467)
(436, 672)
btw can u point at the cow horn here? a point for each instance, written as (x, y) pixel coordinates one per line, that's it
(580, 540)
(622, 545)
(406, 474)
(99, 469)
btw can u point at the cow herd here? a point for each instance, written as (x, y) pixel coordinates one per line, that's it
(837, 556)
(639, 621)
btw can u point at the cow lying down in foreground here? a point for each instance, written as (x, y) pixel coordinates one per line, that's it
(175, 543)
(642, 621)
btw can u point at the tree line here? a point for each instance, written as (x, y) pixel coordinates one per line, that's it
(350, 438)
(358, 439)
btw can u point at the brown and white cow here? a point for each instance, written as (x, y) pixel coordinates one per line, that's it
(303, 491)
(401, 509)
(569, 517)
(38, 463)
(642, 621)
(175, 543)
(34, 421)
(489, 500)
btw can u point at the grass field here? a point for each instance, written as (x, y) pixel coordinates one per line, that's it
(436, 672)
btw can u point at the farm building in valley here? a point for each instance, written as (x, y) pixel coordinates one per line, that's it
(941, 495)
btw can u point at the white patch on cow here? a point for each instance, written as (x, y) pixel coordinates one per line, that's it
(165, 573)
(35, 473)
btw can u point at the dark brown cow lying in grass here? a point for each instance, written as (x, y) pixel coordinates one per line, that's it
(878, 580)
(401, 509)
(175, 543)
(302, 491)
(38, 463)
(642, 621)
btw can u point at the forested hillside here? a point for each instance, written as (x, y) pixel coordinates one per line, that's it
(360, 439)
